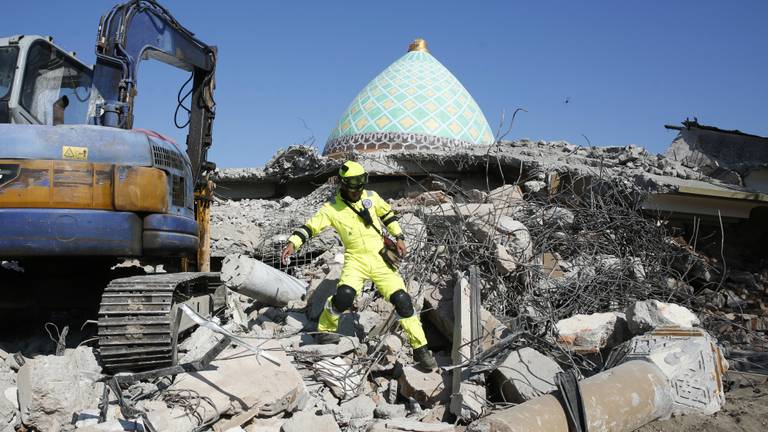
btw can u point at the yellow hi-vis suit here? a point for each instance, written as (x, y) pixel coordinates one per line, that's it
(361, 254)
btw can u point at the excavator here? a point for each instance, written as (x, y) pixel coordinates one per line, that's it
(79, 185)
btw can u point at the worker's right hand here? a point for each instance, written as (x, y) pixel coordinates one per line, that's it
(287, 252)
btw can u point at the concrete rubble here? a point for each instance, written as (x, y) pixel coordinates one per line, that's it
(525, 374)
(591, 333)
(534, 265)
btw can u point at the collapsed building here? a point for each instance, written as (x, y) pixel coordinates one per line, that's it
(562, 287)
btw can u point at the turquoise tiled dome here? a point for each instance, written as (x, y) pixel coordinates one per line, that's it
(414, 104)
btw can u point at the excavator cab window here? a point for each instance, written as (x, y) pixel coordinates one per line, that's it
(56, 88)
(8, 56)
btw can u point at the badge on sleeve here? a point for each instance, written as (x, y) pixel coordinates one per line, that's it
(367, 203)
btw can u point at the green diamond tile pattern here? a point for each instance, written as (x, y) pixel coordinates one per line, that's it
(415, 103)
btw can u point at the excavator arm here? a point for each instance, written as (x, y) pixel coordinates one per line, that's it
(142, 29)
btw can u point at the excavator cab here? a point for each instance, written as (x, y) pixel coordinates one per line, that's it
(42, 84)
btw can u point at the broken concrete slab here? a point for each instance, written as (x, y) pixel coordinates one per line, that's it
(506, 195)
(386, 410)
(428, 388)
(297, 321)
(510, 238)
(646, 315)
(279, 387)
(525, 374)
(360, 407)
(53, 388)
(591, 333)
(558, 216)
(455, 213)
(306, 421)
(345, 345)
(504, 262)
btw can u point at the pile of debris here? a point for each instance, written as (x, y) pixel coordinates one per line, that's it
(524, 289)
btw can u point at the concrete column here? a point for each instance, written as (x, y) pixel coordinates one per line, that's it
(621, 399)
(251, 277)
(668, 371)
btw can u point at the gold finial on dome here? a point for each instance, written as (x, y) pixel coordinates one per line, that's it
(418, 44)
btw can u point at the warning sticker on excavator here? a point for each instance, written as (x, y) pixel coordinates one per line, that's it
(74, 153)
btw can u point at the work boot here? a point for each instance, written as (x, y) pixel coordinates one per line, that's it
(327, 338)
(423, 358)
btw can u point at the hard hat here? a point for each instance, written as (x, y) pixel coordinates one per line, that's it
(353, 175)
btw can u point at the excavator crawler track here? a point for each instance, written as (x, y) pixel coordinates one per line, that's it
(136, 318)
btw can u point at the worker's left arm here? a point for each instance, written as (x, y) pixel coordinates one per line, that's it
(387, 215)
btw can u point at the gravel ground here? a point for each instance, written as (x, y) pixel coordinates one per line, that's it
(745, 410)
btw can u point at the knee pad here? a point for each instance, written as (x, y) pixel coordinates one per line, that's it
(344, 298)
(402, 302)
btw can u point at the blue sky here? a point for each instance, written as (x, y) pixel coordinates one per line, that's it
(288, 69)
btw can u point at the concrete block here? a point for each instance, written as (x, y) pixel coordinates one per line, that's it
(534, 186)
(525, 374)
(360, 407)
(452, 213)
(505, 262)
(387, 410)
(238, 375)
(262, 282)
(345, 345)
(646, 315)
(307, 421)
(297, 321)
(53, 388)
(559, 216)
(591, 333)
(428, 388)
(506, 195)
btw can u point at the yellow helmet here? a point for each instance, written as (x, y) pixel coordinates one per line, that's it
(353, 175)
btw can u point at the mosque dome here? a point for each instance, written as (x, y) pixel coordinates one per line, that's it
(414, 104)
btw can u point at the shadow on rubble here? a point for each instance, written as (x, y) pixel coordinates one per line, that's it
(48, 306)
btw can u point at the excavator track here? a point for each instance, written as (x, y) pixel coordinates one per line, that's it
(136, 318)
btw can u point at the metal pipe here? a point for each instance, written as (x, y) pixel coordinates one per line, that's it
(620, 399)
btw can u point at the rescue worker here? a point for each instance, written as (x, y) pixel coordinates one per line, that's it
(357, 214)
